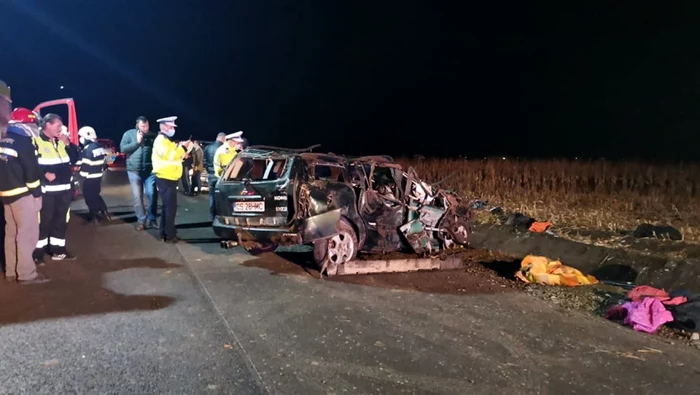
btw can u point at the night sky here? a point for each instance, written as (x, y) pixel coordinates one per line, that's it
(405, 77)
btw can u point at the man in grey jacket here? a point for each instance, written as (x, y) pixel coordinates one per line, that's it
(137, 144)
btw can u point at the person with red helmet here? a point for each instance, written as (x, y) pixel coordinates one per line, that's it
(25, 120)
(20, 193)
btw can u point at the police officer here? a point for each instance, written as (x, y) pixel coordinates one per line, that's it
(20, 193)
(209, 153)
(92, 166)
(225, 154)
(56, 188)
(167, 160)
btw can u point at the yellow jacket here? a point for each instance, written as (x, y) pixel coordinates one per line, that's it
(223, 156)
(167, 158)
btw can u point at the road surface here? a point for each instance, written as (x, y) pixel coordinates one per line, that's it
(134, 315)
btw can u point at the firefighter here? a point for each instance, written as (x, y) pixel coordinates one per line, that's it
(92, 166)
(20, 193)
(167, 160)
(56, 188)
(225, 154)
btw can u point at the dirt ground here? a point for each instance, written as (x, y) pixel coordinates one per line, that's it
(485, 273)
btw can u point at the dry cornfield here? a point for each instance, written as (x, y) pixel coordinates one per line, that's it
(576, 194)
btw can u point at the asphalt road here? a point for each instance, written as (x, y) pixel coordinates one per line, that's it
(133, 315)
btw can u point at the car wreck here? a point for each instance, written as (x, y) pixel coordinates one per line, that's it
(270, 196)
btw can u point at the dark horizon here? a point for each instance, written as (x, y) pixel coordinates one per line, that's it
(398, 79)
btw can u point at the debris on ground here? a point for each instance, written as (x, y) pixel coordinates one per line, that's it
(542, 270)
(601, 298)
(660, 232)
(596, 299)
(540, 226)
(646, 315)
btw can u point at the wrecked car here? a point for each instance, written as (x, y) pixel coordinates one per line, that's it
(270, 196)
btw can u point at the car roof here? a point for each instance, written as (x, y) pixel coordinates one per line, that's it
(260, 151)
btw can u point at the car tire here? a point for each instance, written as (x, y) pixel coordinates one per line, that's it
(335, 251)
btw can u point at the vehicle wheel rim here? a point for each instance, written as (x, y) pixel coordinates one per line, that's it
(340, 248)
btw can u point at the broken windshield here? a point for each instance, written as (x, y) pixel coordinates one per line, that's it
(255, 169)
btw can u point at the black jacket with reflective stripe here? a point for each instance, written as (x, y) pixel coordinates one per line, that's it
(53, 158)
(92, 161)
(19, 170)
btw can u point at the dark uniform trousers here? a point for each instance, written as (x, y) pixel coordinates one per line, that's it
(2, 234)
(53, 223)
(211, 181)
(167, 190)
(92, 190)
(186, 185)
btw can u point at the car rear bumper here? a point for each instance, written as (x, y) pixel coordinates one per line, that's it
(264, 235)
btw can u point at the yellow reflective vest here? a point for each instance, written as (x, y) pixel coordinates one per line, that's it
(167, 158)
(223, 156)
(53, 157)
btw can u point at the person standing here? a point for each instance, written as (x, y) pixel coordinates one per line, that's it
(225, 154)
(74, 155)
(197, 168)
(186, 166)
(92, 166)
(167, 159)
(20, 192)
(137, 144)
(5, 108)
(56, 187)
(212, 179)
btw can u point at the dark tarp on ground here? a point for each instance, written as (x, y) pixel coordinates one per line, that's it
(686, 315)
(661, 232)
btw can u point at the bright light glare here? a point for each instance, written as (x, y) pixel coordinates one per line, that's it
(61, 86)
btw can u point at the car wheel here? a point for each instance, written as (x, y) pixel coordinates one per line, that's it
(334, 251)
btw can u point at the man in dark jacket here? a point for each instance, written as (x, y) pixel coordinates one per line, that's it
(209, 153)
(197, 156)
(20, 193)
(137, 144)
(185, 179)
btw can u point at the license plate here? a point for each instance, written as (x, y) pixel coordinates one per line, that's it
(249, 207)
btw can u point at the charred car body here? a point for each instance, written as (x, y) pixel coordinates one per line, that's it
(271, 196)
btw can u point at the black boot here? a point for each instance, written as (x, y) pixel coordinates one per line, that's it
(105, 215)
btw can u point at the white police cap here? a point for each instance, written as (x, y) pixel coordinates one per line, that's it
(167, 121)
(235, 136)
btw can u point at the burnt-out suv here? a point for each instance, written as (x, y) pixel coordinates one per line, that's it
(270, 196)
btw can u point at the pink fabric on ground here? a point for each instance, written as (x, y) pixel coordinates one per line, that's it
(646, 291)
(647, 315)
